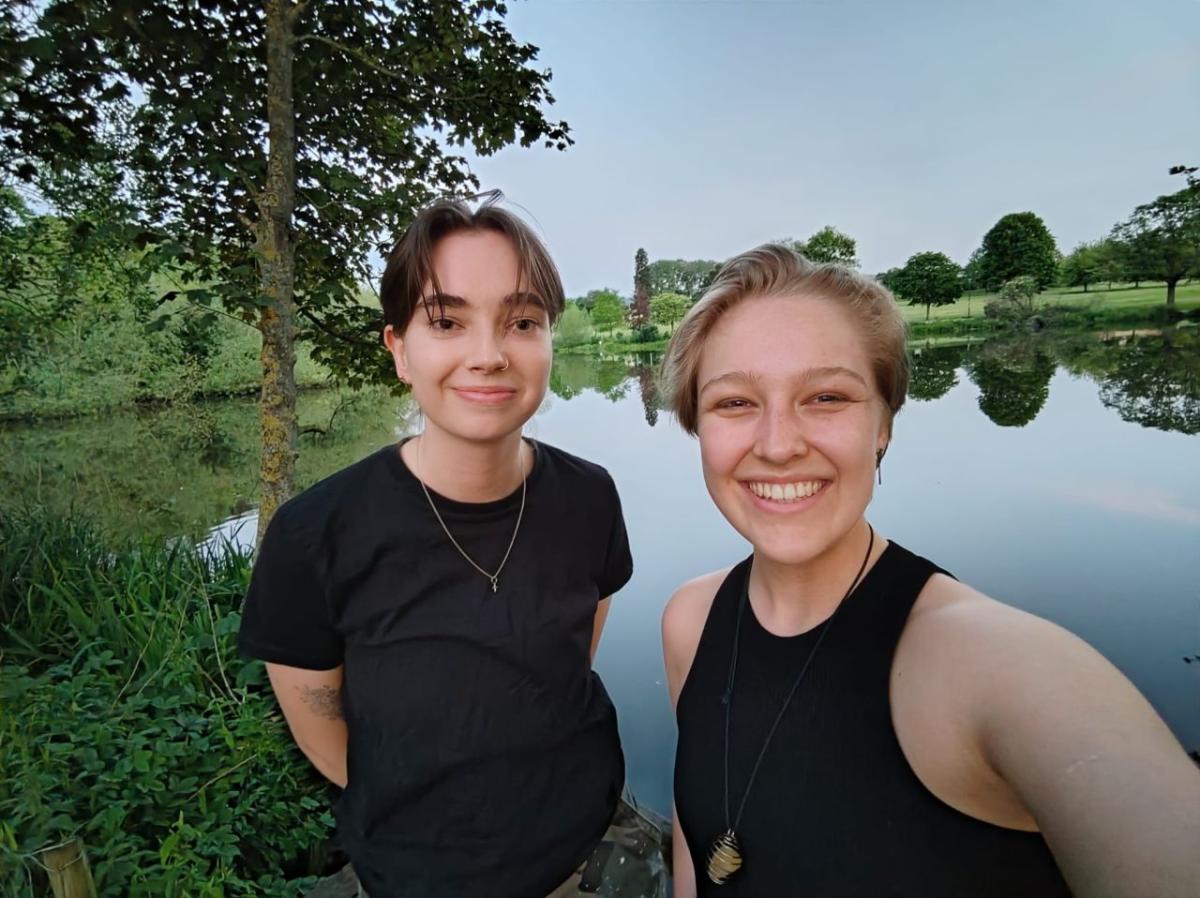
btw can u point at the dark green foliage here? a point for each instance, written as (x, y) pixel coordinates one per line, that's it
(374, 86)
(973, 271)
(687, 277)
(1013, 380)
(933, 371)
(1018, 244)
(647, 333)
(639, 311)
(1082, 267)
(928, 279)
(1163, 238)
(131, 722)
(1155, 381)
(828, 245)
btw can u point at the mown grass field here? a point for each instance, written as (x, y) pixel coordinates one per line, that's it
(1121, 298)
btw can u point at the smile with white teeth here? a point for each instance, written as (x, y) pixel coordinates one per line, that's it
(785, 492)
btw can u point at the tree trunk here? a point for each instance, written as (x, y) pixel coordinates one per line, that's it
(277, 320)
(927, 307)
(1171, 291)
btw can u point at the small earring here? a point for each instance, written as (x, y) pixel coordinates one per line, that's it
(879, 465)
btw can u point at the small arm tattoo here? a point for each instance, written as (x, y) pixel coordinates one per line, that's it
(324, 700)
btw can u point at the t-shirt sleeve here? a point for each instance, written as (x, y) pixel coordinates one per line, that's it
(286, 617)
(618, 562)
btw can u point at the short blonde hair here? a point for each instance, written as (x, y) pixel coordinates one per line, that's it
(774, 270)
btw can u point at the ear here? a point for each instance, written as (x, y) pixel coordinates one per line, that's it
(395, 345)
(883, 440)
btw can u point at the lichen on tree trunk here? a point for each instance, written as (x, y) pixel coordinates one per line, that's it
(277, 319)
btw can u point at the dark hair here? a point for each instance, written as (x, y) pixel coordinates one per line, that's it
(410, 263)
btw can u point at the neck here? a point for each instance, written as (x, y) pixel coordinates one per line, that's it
(467, 470)
(789, 599)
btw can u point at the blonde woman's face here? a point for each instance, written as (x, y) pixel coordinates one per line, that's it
(789, 422)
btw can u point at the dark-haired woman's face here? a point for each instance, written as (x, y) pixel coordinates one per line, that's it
(789, 421)
(478, 356)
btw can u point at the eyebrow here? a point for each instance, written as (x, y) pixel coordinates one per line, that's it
(452, 301)
(804, 376)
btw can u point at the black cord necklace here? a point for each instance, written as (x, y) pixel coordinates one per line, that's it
(725, 853)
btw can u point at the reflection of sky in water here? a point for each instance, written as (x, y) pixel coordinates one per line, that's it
(1081, 517)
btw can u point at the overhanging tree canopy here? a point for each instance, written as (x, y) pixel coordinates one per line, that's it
(273, 146)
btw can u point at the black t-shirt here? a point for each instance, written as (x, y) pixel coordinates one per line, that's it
(483, 755)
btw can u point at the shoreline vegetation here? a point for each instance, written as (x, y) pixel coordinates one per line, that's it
(1062, 308)
(95, 368)
(132, 724)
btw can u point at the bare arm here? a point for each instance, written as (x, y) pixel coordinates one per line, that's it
(598, 623)
(682, 623)
(311, 701)
(1112, 791)
(684, 874)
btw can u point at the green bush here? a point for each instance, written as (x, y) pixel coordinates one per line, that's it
(647, 333)
(130, 722)
(574, 328)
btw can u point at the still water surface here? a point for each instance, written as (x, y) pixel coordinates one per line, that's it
(1058, 473)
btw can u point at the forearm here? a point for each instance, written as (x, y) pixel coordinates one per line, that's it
(312, 705)
(326, 750)
(683, 873)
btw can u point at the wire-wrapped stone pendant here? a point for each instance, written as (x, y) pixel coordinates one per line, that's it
(724, 857)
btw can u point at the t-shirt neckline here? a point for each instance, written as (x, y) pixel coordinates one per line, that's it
(405, 477)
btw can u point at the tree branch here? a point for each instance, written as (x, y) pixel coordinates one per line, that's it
(324, 328)
(375, 65)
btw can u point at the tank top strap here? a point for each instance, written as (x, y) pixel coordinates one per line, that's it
(879, 609)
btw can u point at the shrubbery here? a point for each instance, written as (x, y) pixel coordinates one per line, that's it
(130, 721)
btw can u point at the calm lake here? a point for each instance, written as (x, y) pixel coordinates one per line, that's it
(1057, 472)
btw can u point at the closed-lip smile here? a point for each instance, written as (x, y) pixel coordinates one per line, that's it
(486, 395)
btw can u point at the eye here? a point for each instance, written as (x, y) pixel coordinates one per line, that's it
(828, 398)
(443, 325)
(733, 404)
(526, 325)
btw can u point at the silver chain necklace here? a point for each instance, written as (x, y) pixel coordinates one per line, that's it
(495, 578)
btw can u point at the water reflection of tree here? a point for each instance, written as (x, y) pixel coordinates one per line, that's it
(180, 469)
(648, 384)
(1155, 381)
(1013, 379)
(572, 374)
(934, 371)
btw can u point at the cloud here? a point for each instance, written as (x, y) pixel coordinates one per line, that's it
(1142, 502)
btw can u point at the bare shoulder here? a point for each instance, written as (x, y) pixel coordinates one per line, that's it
(1013, 719)
(683, 622)
(955, 629)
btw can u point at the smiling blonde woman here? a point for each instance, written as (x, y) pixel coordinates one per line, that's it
(853, 721)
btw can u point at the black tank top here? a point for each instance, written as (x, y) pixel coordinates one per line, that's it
(836, 811)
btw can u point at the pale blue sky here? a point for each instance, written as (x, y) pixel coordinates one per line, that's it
(704, 128)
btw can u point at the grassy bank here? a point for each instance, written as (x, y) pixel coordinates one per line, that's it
(130, 722)
(1062, 307)
(1122, 299)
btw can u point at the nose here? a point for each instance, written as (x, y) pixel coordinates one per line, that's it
(487, 352)
(780, 435)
